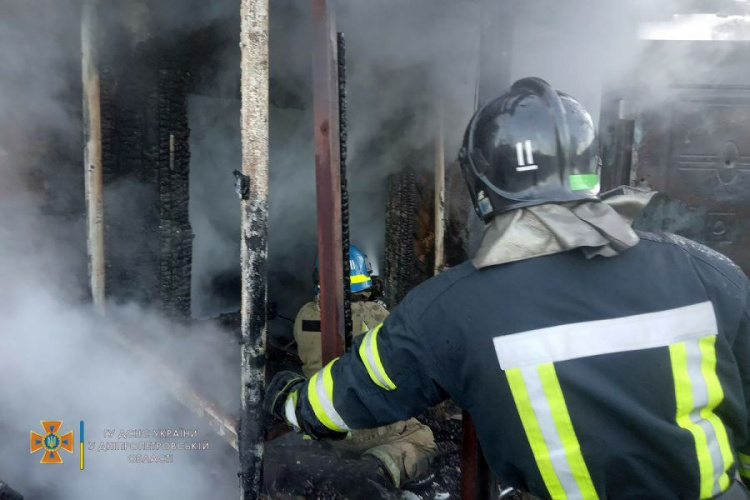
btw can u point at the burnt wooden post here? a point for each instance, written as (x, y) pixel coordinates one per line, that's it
(92, 154)
(328, 178)
(345, 241)
(440, 220)
(254, 241)
(476, 478)
(624, 140)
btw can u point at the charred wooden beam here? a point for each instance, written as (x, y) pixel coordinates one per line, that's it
(328, 178)
(624, 141)
(8, 493)
(254, 241)
(345, 240)
(92, 156)
(440, 219)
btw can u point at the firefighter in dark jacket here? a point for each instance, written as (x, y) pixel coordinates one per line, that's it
(597, 362)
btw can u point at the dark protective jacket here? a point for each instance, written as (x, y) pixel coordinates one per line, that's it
(622, 377)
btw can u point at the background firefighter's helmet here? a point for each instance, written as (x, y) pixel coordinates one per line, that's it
(530, 146)
(360, 271)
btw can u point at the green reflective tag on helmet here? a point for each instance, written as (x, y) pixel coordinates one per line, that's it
(583, 182)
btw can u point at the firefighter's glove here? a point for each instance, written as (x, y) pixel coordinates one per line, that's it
(282, 385)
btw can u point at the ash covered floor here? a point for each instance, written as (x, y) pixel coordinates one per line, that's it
(298, 469)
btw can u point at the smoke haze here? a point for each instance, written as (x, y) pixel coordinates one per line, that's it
(56, 361)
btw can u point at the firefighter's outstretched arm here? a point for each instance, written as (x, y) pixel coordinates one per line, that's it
(383, 379)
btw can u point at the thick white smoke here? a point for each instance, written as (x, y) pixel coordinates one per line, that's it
(57, 361)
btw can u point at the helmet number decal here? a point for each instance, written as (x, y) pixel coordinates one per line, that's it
(525, 164)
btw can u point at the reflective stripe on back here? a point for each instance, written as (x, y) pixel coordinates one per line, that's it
(546, 421)
(593, 338)
(690, 335)
(697, 393)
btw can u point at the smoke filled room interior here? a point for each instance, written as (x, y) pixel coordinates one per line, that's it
(179, 179)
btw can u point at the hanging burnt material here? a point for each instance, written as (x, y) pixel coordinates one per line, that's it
(146, 169)
(617, 149)
(176, 238)
(328, 178)
(130, 153)
(254, 242)
(400, 227)
(345, 241)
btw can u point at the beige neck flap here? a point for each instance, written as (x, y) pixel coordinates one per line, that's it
(598, 228)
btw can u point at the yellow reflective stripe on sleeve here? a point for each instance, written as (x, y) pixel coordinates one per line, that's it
(564, 427)
(546, 421)
(744, 467)
(534, 433)
(320, 394)
(697, 393)
(370, 356)
(358, 278)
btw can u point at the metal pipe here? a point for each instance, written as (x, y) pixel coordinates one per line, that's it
(92, 154)
(439, 192)
(328, 179)
(254, 241)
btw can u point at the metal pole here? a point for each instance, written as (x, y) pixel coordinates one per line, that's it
(439, 193)
(92, 154)
(254, 241)
(328, 179)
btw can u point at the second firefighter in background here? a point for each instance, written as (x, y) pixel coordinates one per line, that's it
(404, 448)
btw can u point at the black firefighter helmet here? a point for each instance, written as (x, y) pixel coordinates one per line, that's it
(530, 146)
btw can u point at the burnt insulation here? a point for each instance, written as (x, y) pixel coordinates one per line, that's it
(176, 252)
(400, 258)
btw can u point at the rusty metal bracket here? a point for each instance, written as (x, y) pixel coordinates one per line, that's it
(242, 185)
